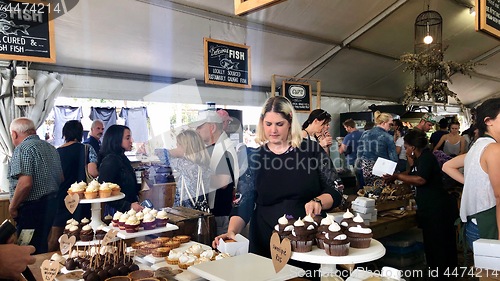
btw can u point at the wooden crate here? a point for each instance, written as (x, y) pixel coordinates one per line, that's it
(161, 195)
(186, 219)
(391, 205)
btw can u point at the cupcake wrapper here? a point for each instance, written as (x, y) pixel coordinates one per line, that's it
(336, 250)
(319, 243)
(301, 246)
(172, 262)
(360, 243)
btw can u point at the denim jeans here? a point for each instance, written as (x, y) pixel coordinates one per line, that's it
(471, 233)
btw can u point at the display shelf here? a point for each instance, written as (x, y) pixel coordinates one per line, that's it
(95, 220)
(329, 263)
(125, 235)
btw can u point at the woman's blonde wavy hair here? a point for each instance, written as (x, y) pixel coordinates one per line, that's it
(194, 147)
(381, 117)
(284, 107)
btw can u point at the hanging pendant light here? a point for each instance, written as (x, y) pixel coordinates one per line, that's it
(428, 38)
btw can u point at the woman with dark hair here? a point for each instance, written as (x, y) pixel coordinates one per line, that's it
(453, 143)
(115, 167)
(437, 210)
(480, 203)
(73, 157)
(317, 126)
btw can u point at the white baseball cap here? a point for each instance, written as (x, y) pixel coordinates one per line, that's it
(207, 116)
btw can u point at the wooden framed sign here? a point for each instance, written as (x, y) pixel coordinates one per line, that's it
(299, 94)
(488, 17)
(227, 64)
(27, 31)
(243, 7)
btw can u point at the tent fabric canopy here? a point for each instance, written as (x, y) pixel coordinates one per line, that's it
(351, 46)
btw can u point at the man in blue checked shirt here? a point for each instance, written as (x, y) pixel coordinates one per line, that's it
(35, 174)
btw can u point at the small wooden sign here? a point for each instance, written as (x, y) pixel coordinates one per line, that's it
(27, 32)
(299, 95)
(66, 243)
(109, 237)
(488, 17)
(227, 63)
(280, 252)
(49, 270)
(71, 202)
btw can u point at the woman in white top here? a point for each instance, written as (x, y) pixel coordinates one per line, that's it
(399, 133)
(454, 143)
(481, 179)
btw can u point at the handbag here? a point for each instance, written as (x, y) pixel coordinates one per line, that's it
(88, 177)
(201, 203)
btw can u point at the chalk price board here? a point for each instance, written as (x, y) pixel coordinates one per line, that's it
(488, 17)
(299, 94)
(227, 64)
(26, 31)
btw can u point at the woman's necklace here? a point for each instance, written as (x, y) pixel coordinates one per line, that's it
(278, 149)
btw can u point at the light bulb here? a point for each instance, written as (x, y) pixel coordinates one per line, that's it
(428, 39)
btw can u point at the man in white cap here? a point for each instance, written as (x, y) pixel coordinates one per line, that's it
(224, 163)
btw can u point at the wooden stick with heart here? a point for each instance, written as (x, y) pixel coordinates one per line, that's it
(280, 252)
(66, 243)
(49, 270)
(71, 202)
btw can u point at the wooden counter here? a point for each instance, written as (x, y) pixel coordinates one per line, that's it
(35, 268)
(385, 226)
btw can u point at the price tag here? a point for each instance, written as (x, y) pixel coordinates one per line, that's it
(49, 270)
(71, 202)
(66, 243)
(280, 252)
(109, 237)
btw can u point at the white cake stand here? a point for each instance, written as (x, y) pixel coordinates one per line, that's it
(95, 220)
(329, 263)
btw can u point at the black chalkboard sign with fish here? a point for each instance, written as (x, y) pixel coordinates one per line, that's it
(26, 31)
(227, 64)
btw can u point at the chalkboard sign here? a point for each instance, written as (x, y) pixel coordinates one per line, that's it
(488, 16)
(26, 31)
(227, 64)
(299, 94)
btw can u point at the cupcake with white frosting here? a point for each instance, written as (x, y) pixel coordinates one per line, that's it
(359, 236)
(283, 228)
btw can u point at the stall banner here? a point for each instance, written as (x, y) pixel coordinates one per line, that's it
(227, 64)
(27, 31)
(488, 17)
(299, 94)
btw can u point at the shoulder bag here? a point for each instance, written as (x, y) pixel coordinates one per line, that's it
(201, 204)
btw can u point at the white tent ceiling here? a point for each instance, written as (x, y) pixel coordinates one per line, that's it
(352, 46)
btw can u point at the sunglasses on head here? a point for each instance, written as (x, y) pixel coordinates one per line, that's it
(327, 115)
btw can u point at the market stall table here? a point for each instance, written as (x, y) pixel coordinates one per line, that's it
(388, 225)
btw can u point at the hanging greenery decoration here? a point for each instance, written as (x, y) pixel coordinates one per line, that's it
(428, 64)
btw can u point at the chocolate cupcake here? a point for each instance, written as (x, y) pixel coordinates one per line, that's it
(336, 245)
(300, 238)
(347, 219)
(283, 228)
(322, 229)
(87, 234)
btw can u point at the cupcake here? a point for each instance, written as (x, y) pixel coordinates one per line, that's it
(347, 219)
(161, 218)
(107, 219)
(74, 231)
(222, 256)
(173, 257)
(87, 234)
(78, 188)
(146, 210)
(359, 236)
(99, 232)
(172, 244)
(104, 190)
(322, 229)
(132, 224)
(131, 212)
(115, 189)
(122, 220)
(66, 229)
(154, 212)
(283, 228)
(317, 219)
(186, 261)
(116, 218)
(149, 222)
(84, 222)
(336, 245)
(91, 192)
(310, 225)
(299, 238)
